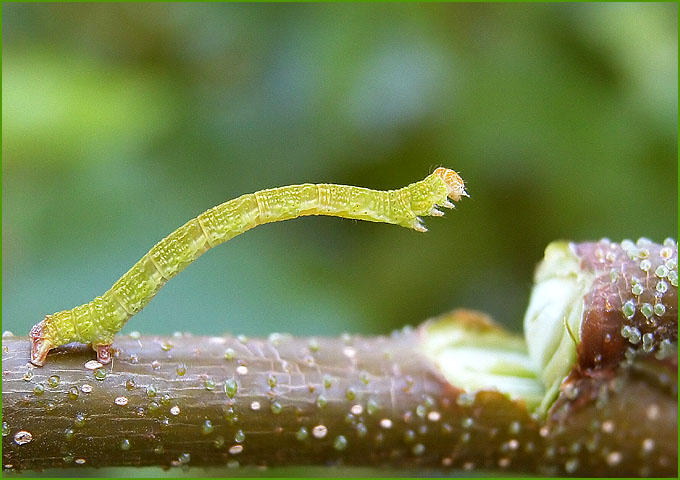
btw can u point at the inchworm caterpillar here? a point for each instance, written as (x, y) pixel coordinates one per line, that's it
(98, 321)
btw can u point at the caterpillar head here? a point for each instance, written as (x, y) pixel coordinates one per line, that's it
(40, 342)
(454, 184)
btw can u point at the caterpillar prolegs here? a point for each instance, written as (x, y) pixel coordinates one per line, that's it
(98, 321)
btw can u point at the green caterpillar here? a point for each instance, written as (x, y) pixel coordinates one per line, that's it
(98, 321)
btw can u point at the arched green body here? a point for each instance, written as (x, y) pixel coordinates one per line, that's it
(99, 320)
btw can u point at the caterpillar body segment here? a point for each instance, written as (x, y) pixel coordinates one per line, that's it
(98, 321)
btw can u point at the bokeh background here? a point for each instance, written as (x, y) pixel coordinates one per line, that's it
(123, 121)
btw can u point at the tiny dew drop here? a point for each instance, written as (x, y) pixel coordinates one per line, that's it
(93, 365)
(181, 369)
(327, 381)
(235, 449)
(276, 408)
(230, 416)
(418, 449)
(28, 376)
(239, 436)
(53, 381)
(571, 465)
(81, 420)
(302, 434)
(434, 416)
(661, 271)
(362, 430)
(100, 374)
(659, 309)
(219, 441)
(151, 391)
(661, 287)
(230, 387)
(350, 393)
(153, 406)
(125, 444)
(363, 376)
(130, 384)
(22, 437)
(629, 309)
(371, 406)
(166, 346)
(207, 427)
(175, 410)
(209, 384)
(321, 401)
(69, 434)
(73, 393)
(340, 442)
(5, 429)
(613, 275)
(229, 354)
(271, 380)
(319, 431)
(39, 389)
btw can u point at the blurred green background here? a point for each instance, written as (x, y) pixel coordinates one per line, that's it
(122, 121)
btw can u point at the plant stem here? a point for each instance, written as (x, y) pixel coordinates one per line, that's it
(285, 400)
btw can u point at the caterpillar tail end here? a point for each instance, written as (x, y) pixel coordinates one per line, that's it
(454, 184)
(40, 345)
(103, 353)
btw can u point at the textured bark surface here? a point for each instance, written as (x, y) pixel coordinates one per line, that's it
(281, 401)
(174, 401)
(635, 289)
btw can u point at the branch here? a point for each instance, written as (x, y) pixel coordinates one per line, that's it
(292, 401)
